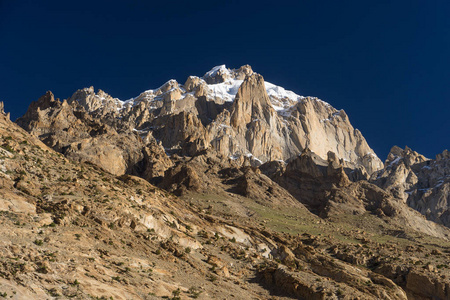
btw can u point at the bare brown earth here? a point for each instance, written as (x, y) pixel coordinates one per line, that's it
(217, 230)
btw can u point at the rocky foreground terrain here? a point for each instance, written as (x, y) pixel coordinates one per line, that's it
(225, 187)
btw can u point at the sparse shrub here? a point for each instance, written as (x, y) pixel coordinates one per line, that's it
(42, 269)
(187, 250)
(39, 242)
(53, 292)
(194, 292)
(177, 292)
(8, 148)
(203, 234)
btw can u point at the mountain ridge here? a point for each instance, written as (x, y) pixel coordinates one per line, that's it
(251, 190)
(73, 230)
(295, 123)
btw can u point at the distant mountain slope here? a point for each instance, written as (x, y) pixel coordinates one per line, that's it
(424, 184)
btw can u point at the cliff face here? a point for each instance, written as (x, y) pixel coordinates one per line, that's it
(68, 128)
(424, 184)
(234, 112)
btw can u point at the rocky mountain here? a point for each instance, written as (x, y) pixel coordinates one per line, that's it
(72, 230)
(424, 184)
(224, 187)
(67, 128)
(233, 112)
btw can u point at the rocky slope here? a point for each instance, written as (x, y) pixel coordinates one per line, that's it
(71, 230)
(235, 112)
(69, 129)
(252, 191)
(424, 184)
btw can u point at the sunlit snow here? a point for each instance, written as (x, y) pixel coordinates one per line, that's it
(282, 100)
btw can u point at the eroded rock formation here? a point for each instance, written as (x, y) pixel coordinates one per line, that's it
(233, 111)
(424, 184)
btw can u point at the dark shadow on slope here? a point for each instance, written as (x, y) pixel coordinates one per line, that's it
(208, 110)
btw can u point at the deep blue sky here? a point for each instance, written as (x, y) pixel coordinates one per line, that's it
(386, 63)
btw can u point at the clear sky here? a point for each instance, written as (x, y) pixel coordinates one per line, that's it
(386, 63)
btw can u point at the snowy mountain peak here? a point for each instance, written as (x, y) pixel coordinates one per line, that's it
(220, 74)
(294, 123)
(217, 74)
(220, 84)
(224, 83)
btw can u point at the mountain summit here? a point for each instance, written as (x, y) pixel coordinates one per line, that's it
(232, 111)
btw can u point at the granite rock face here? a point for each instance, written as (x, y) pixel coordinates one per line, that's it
(424, 184)
(235, 112)
(69, 129)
